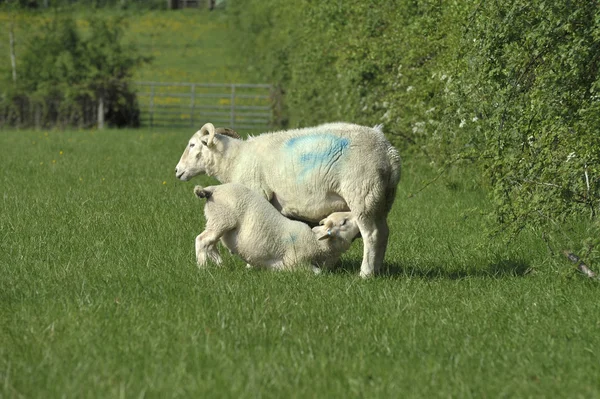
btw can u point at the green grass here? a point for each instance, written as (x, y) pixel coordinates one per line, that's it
(187, 46)
(100, 295)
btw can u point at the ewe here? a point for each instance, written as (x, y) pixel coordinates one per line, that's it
(249, 226)
(308, 174)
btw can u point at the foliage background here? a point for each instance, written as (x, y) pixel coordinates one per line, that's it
(64, 70)
(510, 88)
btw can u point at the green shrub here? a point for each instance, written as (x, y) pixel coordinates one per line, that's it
(531, 77)
(511, 87)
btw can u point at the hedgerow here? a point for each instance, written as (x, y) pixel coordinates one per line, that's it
(512, 87)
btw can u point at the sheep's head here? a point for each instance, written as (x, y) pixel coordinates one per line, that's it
(192, 160)
(338, 225)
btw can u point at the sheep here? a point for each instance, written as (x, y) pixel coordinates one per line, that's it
(308, 174)
(250, 227)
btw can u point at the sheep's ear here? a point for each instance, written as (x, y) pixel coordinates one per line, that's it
(322, 222)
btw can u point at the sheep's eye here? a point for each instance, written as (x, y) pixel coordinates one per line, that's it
(192, 145)
(343, 222)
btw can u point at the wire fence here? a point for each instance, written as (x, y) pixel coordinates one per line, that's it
(241, 106)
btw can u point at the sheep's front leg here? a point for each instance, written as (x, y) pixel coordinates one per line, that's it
(206, 248)
(375, 237)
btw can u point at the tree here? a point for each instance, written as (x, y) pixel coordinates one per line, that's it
(109, 66)
(63, 73)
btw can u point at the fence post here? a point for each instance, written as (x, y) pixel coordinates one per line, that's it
(152, 105)
(232, 114)
(192, 105)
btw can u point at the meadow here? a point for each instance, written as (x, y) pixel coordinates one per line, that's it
(100, 295)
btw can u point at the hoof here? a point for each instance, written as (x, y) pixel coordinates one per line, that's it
(366, 275)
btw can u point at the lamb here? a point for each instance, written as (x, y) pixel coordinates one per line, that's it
(249, 226)
(308, 174)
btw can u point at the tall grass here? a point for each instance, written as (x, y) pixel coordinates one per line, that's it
(100, 295)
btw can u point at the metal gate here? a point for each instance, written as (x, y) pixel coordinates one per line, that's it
(241, 106)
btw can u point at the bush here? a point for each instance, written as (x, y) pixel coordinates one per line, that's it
(511, 87)
(532, 80)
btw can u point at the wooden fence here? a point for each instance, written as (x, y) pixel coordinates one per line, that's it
(242, 106)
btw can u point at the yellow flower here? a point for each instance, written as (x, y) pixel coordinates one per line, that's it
(54, 161)
(164, 182)
(60, 153)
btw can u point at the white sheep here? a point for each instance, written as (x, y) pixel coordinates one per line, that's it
(308, 174)
(250, 227)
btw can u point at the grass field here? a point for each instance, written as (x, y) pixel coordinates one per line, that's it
(100, 295)
(185, 46)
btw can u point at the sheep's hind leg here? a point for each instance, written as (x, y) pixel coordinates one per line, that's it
(206, 248)
(375, 235)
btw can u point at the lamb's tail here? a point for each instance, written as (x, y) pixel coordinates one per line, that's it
(202, 192)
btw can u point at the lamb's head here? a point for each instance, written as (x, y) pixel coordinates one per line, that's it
(338, 226)
(192, 162)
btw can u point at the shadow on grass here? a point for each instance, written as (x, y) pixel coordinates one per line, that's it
(499, 269)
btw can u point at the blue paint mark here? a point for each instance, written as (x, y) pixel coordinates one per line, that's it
(293, 238)
(316, 151)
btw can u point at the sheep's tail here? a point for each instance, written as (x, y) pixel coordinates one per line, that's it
(394, 177)
(395, 164)
(202, 192)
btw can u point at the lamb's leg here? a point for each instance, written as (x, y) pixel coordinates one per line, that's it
(206, 248)
(375, 236)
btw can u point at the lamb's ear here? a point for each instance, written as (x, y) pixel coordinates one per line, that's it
(322, 222)
(326, 235)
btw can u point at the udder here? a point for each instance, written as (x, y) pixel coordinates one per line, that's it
(309, 208)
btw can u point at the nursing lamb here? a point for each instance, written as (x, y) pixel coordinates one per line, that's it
(308, 174)
(251, 228)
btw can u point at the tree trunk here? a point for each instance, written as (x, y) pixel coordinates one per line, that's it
(100, 112)
(38, 116)
(13, 58)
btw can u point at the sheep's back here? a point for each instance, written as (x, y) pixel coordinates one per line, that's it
(315, 171)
